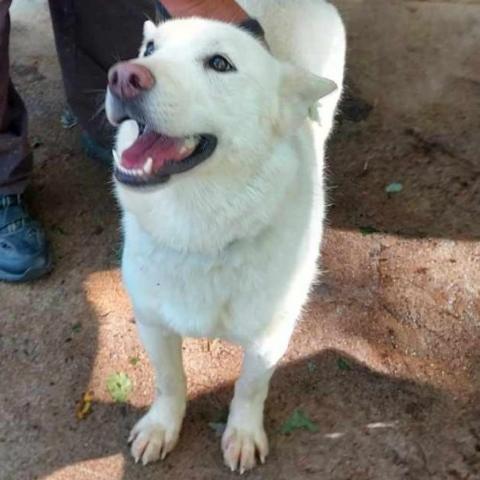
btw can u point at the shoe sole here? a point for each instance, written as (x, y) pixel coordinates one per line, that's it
(28, 275)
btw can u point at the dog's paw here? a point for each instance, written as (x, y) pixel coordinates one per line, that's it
(241, 445)
(153, 439)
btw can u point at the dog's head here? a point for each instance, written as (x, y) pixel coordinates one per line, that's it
(204, 101)
(201, 88)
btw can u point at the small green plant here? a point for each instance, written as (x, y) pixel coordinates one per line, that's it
(119, 386)
(298, 420)
(134, 361)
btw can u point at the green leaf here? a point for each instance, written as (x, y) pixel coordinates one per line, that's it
(58, 229)
(76, 327)
(298, 420)
(118, 253)
(222, 416)
(119, 386)
(218, 427)
(133, 361)
(368, 230)
(343, 364)
(395, 187)
(311, 366)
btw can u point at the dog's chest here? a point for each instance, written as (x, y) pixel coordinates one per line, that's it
(192, 295)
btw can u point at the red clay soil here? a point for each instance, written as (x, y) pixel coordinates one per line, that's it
(385, 362)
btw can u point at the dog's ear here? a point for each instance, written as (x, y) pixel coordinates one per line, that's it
(149, 29)
(300, 91)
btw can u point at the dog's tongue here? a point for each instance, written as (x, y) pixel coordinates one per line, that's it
(158, 147)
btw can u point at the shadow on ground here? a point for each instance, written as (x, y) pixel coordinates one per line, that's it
(386, 359)
(410, 116)
(368, 423)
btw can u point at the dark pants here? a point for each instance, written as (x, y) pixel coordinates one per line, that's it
(90, 37)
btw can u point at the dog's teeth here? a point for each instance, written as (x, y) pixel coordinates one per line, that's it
(189, 143)
(148, 167)
(115, 156)
(134, 128)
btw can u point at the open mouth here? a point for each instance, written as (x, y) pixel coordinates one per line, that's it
(154, 157)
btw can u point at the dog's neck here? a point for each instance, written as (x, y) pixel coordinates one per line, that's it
(197, 214)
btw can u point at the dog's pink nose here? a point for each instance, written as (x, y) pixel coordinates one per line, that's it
(127, 79)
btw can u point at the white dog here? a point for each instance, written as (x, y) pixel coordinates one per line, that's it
(219, 173)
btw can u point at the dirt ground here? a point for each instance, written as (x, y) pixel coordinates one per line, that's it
(385, 362)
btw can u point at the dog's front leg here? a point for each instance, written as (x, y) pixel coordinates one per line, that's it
(156, 434)
(244, 435)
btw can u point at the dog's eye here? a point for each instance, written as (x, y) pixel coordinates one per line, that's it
(219, 64)
(149, 48)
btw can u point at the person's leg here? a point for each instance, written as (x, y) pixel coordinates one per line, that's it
(91, 37)
(15, 158)
(23, 248)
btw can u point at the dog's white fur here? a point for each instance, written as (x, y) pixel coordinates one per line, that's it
(228, 249)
